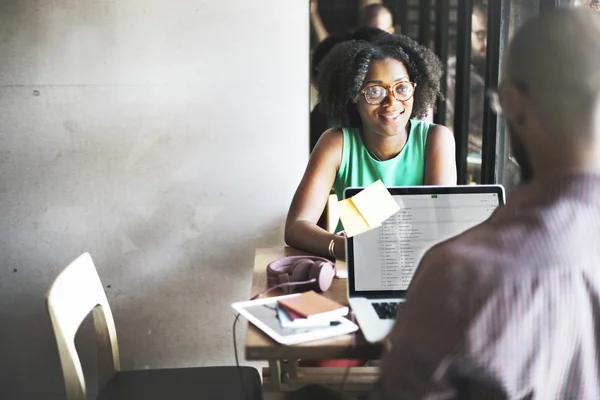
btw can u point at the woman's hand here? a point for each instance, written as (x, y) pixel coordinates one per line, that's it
(340, 247)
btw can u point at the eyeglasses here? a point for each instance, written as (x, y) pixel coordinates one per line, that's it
(402, 91)
(481, 34)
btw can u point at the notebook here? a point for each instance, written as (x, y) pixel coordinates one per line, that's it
(264, 315)
(312, 305)
(289, 319)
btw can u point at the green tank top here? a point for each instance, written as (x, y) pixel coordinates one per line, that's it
(359, 168)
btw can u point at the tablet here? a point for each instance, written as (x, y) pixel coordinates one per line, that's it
(263, 314)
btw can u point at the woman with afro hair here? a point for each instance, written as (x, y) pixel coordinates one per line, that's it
(378, 90)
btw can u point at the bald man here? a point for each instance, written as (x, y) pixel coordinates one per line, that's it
(372, 14)
(377, 16)
(511, 308)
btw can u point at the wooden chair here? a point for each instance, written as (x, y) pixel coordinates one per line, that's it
(71, 297)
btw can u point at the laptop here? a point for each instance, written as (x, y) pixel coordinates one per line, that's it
(381, 262)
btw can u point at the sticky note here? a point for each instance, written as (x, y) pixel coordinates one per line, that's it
(354, 222)
(367, 209)
(375, 203)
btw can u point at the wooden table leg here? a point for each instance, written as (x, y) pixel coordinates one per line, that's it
(292, 368)
(357, 384)
(275, 374)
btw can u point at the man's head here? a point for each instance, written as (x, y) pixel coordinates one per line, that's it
(550, 92)
(377, 16)
(591, 4)
(479, 31)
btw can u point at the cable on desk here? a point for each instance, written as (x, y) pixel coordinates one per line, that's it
(341, 389)
(237, 360)
(281, 285)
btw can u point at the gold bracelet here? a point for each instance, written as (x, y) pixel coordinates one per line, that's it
(332, 249)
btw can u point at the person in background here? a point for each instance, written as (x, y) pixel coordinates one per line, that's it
(477, 83)
(510, 309)
(376, 15)
(376, 90)
(371, 15)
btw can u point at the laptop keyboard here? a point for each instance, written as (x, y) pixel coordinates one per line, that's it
(387, 310)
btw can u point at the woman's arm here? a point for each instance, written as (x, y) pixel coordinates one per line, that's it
(317, 23)
(440, 159)
(363, 3)
(301, 230)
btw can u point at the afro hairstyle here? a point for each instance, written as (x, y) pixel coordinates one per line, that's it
(344, 68)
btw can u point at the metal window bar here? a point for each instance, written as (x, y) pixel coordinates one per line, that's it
(425, 22)
(502, 150)
(402, 12)
(463, 87)
(490, 119)
(442, 27)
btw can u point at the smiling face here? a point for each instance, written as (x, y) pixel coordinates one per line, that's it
(391, 116)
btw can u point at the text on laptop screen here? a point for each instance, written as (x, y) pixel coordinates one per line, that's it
(385, 258)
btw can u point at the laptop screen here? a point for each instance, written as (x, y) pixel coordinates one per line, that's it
(384, 259)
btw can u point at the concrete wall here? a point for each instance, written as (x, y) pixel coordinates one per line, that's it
(164, 137)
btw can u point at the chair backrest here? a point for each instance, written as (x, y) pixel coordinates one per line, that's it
(74, 293)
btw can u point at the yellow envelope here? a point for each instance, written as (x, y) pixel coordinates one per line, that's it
(367, 209)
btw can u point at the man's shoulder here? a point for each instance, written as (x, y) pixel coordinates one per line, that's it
(468, 245)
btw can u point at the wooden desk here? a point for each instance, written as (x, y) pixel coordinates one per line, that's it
(283, 372)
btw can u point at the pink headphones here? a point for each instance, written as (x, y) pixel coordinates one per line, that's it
(316, 273)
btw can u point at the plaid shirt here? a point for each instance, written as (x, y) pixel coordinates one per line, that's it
(510, 309)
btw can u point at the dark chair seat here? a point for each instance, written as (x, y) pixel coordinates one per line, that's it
(204, 383)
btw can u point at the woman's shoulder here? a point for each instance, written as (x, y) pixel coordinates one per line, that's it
(332, 137)
(329, 145)
(426, 134)
(428, 127)
(335, 136)
(439, 135)
(437, 129)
